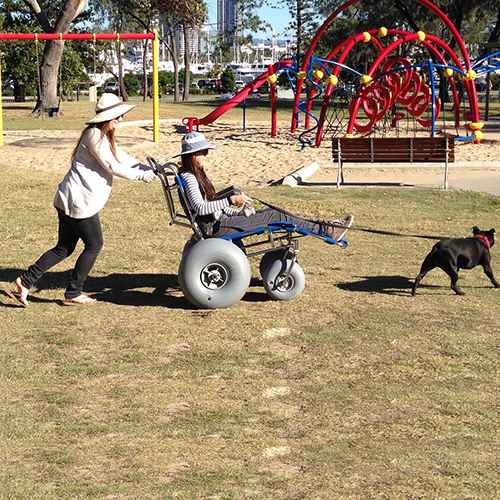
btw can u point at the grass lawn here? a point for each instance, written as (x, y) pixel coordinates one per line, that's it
(16, 115)
(355, 390)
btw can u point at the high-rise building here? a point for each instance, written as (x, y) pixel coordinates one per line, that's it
(227, 20)
(193, 41)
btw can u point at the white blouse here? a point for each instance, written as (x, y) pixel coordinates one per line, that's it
(86, 187)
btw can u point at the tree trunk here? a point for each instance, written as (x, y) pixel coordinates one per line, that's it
(123, 90)
(173, 52)
(48, 100)
(19, 92)
(47, 104)
(299, 27)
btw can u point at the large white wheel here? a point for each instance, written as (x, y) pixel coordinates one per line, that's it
(269, 257)
(276, 283)
(189, 243)
(214, 274)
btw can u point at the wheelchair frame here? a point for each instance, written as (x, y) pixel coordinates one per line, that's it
(280, 238)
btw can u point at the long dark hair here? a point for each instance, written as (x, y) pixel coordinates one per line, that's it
(105, 131)
(189, 165)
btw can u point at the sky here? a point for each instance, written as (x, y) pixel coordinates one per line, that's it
(278, 18)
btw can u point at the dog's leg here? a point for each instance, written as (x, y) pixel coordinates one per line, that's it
(418, 279)
(428, 264)
(455, 288)
(489, 272)
(452, 271)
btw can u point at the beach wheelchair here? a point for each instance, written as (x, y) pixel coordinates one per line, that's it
(214, 272)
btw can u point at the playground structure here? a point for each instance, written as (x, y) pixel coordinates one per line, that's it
(93, 37)
(400, 87)
(268, 76)
(396, 88)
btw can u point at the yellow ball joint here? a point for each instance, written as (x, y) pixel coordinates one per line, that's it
(382, 32)
(448, 72)
(348, 136)
(476, 126)
(318, 74)
(333, 79)
(367, 36)
(301, 75)
(478, 134)
(272, 78)
(366, 79)
(470, 75)
(421, 36)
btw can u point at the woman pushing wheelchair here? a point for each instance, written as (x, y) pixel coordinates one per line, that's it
(215, 214)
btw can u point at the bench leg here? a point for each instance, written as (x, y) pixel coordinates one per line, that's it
(340, 175)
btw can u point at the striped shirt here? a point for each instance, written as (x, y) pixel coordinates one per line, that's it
(199, 202)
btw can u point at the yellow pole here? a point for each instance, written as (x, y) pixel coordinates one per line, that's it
(156, 99)
(1, 105)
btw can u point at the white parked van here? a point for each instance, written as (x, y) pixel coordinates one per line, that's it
(112, 87)
(239, 84)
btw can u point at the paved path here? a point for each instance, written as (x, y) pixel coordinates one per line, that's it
(472, 176)
(482, 179)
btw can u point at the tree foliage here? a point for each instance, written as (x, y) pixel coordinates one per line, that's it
(22, 59)
(304, 18)
(227, 80)
(51, 17)
(476, 20)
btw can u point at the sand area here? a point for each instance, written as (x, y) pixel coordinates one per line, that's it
(254, 158)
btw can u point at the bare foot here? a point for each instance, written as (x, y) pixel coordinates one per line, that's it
(81, 300)
(21, 296)
(22, 292)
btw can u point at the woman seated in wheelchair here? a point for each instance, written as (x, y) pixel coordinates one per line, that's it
(214, 214)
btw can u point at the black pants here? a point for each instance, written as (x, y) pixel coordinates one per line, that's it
(70, 231)
(231, 225)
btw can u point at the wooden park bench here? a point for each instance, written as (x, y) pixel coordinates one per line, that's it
(393, 150)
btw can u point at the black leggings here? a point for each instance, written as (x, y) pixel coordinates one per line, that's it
(70, 231)
(261, 218)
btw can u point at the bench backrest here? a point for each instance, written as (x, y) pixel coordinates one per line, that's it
(398, 149)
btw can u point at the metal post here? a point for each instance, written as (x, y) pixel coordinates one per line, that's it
(447, 150)
(244, 115)
(156, 98)
(1, 104)
(340, 174)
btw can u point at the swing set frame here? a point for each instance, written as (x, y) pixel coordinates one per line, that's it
(95, 36)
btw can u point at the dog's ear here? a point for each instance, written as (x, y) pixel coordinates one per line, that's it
(492, 231)
(475, 230)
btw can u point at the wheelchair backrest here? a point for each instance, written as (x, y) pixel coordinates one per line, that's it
(185, 215)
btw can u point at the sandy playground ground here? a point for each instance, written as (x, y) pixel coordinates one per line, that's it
(253, 158)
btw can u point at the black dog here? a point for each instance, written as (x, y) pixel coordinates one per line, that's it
(452, 254)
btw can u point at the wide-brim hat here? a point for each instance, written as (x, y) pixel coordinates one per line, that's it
(194, 142)
(109, 106)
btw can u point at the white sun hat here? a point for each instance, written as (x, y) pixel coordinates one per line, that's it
(109, 106)
(194, 142)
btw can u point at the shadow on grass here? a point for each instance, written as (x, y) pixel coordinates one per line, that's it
(121, 289)
(391, 285)
(118, 288)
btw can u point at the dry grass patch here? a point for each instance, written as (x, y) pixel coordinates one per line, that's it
(354, 390)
